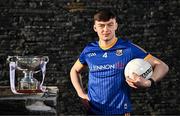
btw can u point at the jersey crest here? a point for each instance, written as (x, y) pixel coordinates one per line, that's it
(119, 52)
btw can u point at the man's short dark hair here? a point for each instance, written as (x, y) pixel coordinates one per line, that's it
(104, 15)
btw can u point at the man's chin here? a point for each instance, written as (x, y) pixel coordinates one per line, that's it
(106, 38)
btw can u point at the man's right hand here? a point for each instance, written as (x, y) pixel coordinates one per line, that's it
(85, 100)
(83, 96)
(85, 103)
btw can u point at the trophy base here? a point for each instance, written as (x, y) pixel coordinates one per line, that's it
(29, 91)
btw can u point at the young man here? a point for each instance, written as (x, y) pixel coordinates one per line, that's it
(108, 90)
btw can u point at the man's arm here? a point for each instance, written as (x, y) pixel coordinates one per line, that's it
(75, 79)
(160, 69)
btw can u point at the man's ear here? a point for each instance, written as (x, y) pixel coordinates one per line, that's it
(94, 27)
(116, 26)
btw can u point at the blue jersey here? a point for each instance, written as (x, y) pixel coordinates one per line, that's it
(107, 89)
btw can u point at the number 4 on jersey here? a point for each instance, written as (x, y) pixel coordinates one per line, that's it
(105, 55)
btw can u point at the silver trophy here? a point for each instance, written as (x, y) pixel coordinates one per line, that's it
(29, 65)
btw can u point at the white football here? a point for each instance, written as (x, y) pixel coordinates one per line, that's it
(140, 67)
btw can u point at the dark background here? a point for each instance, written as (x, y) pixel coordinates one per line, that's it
(60, 29)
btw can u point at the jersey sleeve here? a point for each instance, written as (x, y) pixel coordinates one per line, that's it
(82, 57)
(138, 52)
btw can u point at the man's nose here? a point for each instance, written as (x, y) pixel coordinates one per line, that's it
(106, 28)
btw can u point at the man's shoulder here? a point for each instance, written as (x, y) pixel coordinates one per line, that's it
(92, 44)
(123, 42)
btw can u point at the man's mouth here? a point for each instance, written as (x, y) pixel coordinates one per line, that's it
(106, 35)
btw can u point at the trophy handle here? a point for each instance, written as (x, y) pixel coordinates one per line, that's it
(37, 71)
(45, 59)
(12, 59)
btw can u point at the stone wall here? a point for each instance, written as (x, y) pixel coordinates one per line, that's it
(60, 29)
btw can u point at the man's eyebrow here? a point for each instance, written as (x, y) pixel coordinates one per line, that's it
(100, 23)
(111, 23)
(106, 24)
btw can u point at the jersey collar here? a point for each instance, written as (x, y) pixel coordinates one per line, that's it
(109, 46)
(121, 44)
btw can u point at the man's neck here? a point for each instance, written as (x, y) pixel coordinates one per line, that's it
(107, 44)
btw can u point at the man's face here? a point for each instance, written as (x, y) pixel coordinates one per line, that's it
(105, 30)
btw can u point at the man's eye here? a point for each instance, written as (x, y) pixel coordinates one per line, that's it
(101, 25)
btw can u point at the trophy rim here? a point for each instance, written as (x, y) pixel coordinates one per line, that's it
(15, 58)
(28, 63)
(26, 56)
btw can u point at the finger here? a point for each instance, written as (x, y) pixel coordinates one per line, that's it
(131, 84)
(130, 79)
(136, 76)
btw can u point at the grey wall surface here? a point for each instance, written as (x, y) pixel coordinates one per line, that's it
(60, 29)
